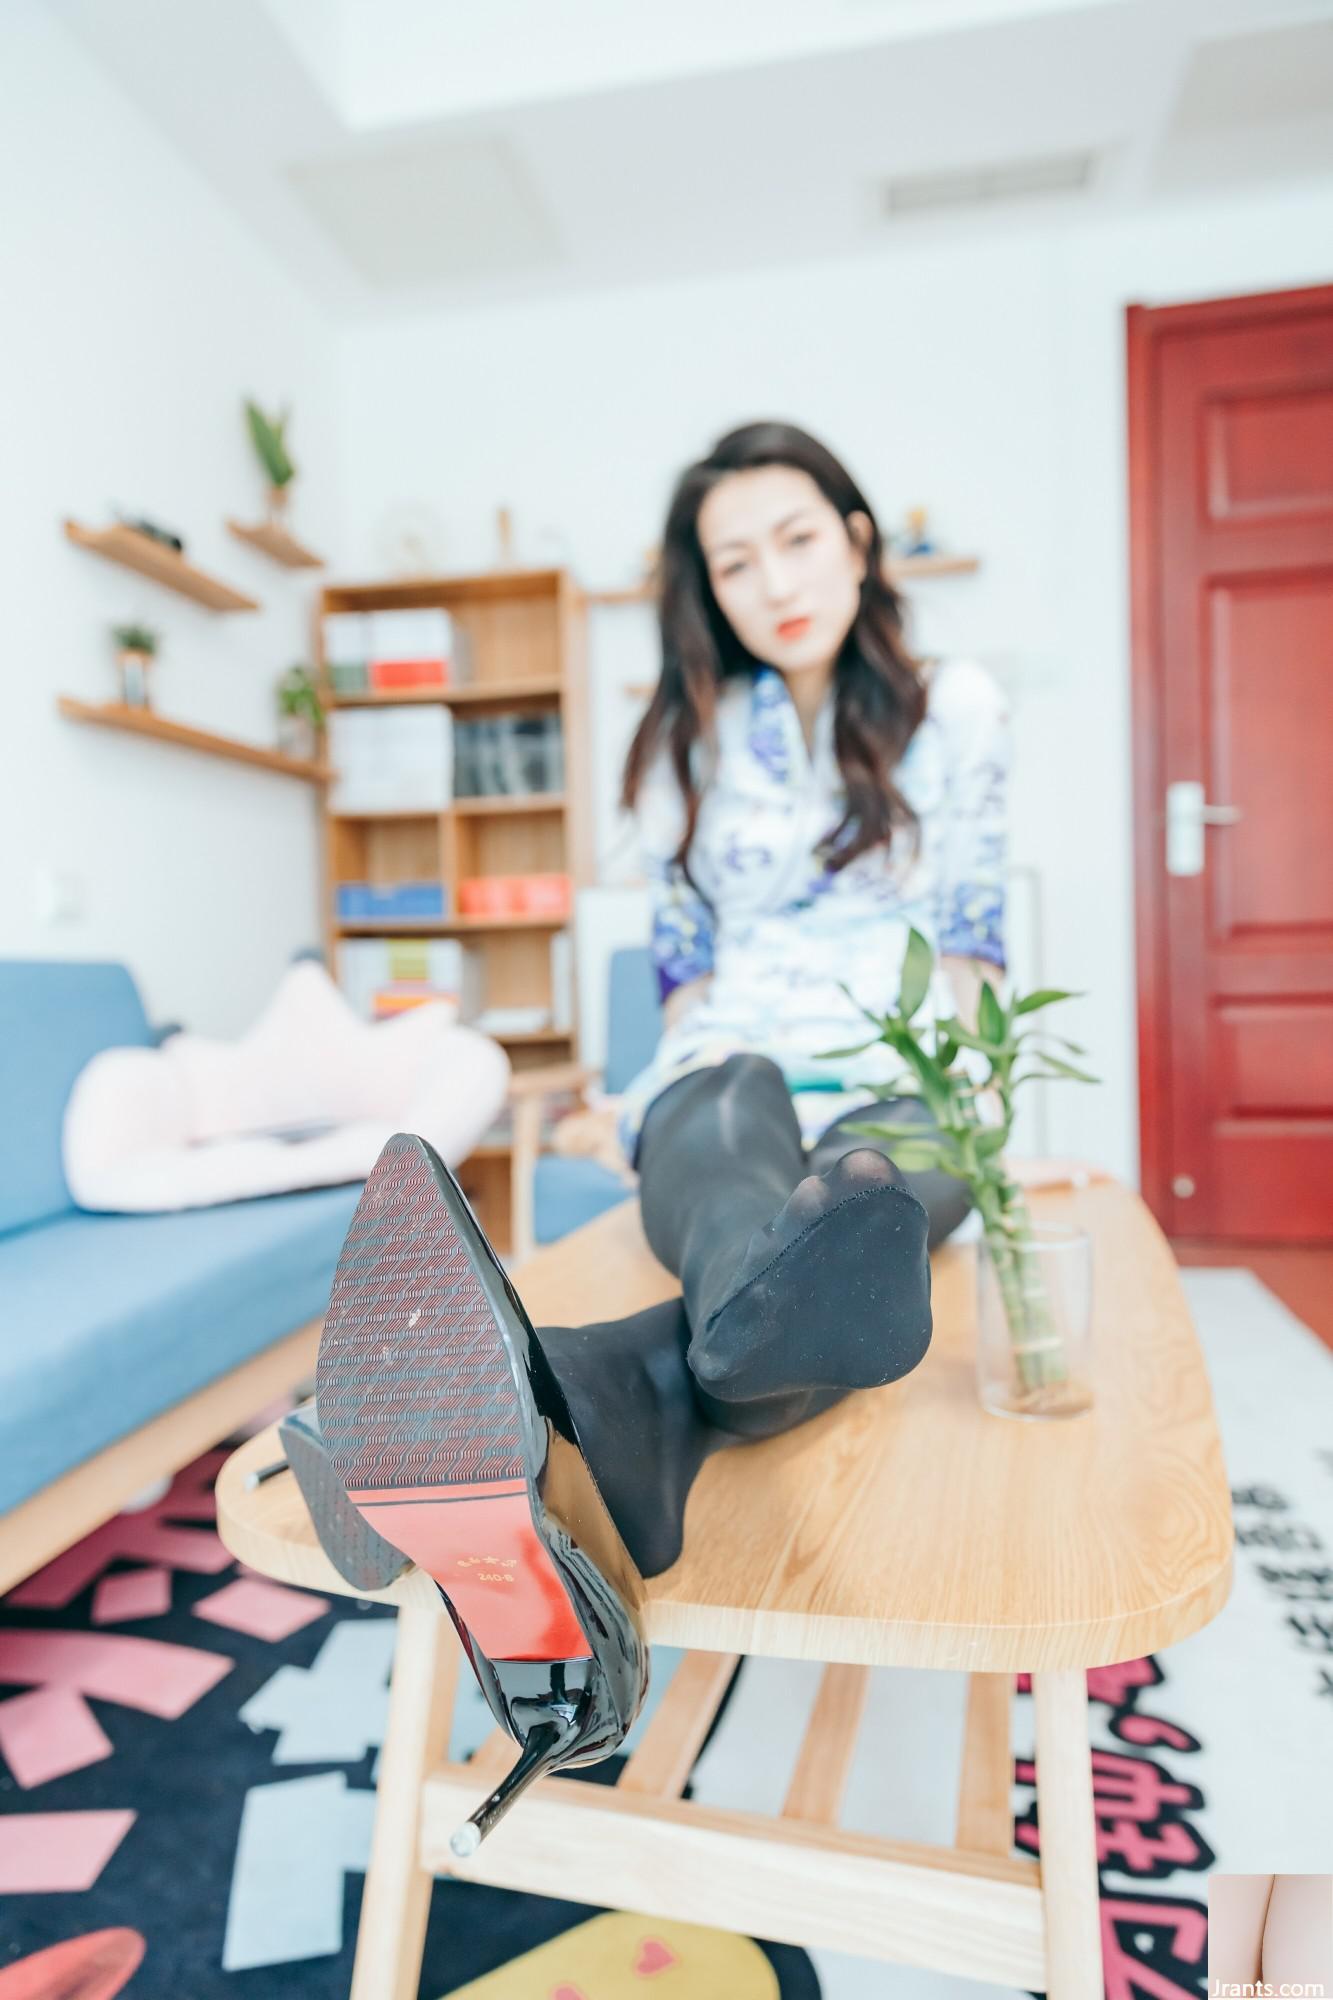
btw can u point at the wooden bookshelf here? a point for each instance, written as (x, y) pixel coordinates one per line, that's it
(139, 552)
(523, 632)
(273, 540)
(146, 723)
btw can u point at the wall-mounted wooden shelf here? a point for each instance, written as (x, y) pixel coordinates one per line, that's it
(143, 722)
(275, 542)
(905, 568)
(909, 566)
(495, 806)
(471, 695)
(445, 926)
(135, 551)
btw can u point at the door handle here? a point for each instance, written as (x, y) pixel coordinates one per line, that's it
(1187, 814)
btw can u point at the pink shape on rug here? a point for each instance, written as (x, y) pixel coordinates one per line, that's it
(150, 1674)
(132, 1593)
(567, 1993)
(265, 1610)
(47, 1732)
(145, 1537)
(654, 1956)
(94, 1967)
(43, 1854)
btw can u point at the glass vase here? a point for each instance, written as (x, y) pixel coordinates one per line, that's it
(1034, 1321)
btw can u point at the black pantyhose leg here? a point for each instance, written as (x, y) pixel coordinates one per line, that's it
(632, 1399)
(945, 1200)
(797, 1287)
(719, 1154)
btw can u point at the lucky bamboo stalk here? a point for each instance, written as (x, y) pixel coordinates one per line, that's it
(972, 1148)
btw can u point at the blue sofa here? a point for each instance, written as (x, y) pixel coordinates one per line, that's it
(569, 1192)
(110, 1322)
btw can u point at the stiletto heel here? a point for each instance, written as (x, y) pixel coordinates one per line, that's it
(543, 1751)
(450, 1435)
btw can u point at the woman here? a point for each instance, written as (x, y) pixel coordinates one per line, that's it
(805, 794)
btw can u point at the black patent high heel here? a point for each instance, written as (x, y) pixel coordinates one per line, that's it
(360, 1556)
(451, 1437)
(543, 1752)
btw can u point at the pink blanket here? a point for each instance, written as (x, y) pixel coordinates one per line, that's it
(305, 1099)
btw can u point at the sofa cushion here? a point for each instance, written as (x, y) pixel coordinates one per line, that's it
(569, 1192)
(55, 1016)
(109, 1320)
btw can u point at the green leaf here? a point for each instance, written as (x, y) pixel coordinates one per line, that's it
(879, 1021)
(886, 1131)
(935, 1088)
(990, 1140)
(966, 1039)
(990, 1015)
(269, 444)
(916, 1157)
(1055, 1066)
(1044, 996)
(1045, 1035)
(945, 1050)
(832, 1055)
(918, 962)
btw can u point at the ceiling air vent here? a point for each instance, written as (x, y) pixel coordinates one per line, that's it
(1059, 173)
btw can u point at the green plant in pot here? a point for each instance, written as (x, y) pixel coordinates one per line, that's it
(1016, 1049)
(269, 437)
(136, 649)
(300, 712)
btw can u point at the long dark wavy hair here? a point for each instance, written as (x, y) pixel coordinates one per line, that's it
(879, 695)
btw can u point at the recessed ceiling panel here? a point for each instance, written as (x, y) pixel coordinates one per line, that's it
(435, 210)
(1253, 107)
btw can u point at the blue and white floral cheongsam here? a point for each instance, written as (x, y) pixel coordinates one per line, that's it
(776, 930)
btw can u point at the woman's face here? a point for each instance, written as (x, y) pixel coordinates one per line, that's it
(784, 567)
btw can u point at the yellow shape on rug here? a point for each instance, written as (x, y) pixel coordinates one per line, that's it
(623, 1957)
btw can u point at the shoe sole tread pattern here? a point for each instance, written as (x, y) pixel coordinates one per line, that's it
(420, 1411)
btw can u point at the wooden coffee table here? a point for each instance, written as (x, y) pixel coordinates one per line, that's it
(907, 1527)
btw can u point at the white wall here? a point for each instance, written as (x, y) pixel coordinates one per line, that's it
(985, 379)
(136, 315)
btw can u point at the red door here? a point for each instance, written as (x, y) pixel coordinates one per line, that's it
(1231, 455)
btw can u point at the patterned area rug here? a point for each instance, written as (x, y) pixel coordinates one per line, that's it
(187, 1758)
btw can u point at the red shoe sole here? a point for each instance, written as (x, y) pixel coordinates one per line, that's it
(420, 1410)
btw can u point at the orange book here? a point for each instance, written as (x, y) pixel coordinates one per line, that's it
(409, 673)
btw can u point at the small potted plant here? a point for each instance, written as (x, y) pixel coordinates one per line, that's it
(136, 649)
(269, 437)
(300, 713)
(1034, 1281)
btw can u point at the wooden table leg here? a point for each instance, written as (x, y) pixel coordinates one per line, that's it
(392, 1932)
(1068, 1836)
(985, 1806)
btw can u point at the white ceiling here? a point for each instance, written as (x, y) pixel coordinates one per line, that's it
(438, 152)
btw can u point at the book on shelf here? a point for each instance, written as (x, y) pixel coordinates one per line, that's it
(562, 982)
(408, 970)
(391, 760)
(392, 649)
(512, 1020)
(508, 755)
